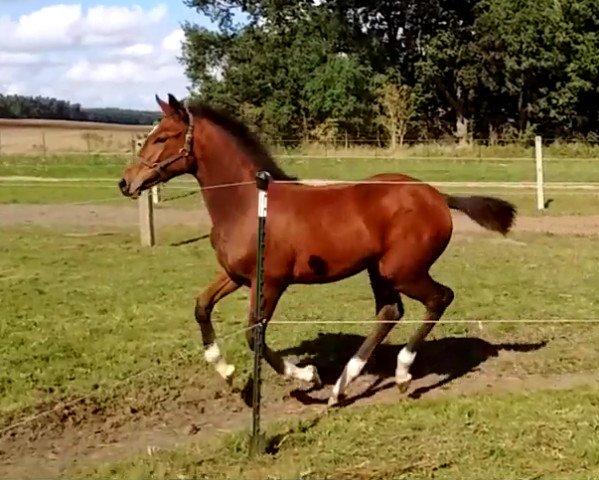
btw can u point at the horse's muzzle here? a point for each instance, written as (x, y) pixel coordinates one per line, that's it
(124, 187)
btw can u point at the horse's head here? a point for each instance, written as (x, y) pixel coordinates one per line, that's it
(166, 152)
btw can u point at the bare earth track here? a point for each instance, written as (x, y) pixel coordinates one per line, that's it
(116, 216)
(90, 431)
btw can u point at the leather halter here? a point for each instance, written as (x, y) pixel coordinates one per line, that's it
(184, 152)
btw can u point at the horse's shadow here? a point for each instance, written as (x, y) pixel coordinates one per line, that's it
(449, 358)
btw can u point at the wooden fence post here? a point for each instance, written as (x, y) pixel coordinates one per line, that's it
(156, 194)
(146, 219)
(44, 146)
(133, 148)
(539, 168)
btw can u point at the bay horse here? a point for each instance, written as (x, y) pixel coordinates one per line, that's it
(393, 226)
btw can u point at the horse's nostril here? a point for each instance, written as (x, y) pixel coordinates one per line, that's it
(122, 184)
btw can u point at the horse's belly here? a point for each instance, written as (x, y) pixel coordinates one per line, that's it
(323, 266)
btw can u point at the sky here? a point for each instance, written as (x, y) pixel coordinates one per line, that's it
(99, 53)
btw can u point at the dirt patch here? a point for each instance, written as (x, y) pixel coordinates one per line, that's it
(91, 216)
(92, 432)
(556, 225)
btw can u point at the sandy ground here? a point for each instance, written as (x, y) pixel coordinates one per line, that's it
(111, 216)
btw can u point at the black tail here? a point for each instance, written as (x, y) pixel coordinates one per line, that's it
(491, 213)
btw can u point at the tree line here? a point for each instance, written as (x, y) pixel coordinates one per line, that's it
(399, 69)
(18, 106)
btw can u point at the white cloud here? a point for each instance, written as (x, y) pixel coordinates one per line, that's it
(173, 40)
(18, 58)
(108, 20)
(48, 27)
(15, 88)
(97, 56)
(136, 50)
(64, 25)
(121, 72)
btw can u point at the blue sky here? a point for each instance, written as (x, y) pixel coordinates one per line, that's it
(177, 10)
(97, 53)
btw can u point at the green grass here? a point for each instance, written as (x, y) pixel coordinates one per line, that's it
(448, 169)
(433, 169)
(78, 312)
(186, 196)
(68, 166)
(511, 436)
(97, 177)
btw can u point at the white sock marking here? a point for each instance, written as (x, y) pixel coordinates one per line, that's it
(350, 372)
(212, 353)
(306, 374)
(405, 359)
(213, 356)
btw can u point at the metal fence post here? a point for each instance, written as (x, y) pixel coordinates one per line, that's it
(262, 182)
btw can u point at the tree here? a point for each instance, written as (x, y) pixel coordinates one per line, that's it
(265, 65)
(539, 63)
(339, 90)
(17, 106)
(473, 67)
(396, 107)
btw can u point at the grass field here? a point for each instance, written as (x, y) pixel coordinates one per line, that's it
(481, 437)
(101, 331)
(65, 333)
(97, 175)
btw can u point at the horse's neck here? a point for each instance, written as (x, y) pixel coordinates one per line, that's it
(226, 177)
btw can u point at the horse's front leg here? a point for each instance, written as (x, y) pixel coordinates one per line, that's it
(272, 292)
(205, 302)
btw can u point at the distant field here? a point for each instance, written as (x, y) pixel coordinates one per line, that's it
(33, 136)
(71, 124)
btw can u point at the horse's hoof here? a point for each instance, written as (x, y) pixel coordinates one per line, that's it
(403, 383)
(335, 401)
(227, 373)
(316, 381)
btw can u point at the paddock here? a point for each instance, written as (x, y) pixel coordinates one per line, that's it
(104, 372)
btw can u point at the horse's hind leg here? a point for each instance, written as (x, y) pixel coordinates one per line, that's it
(436, 298)
(389, 310)
(272, 292)
(205, 302)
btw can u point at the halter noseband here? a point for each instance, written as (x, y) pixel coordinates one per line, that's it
(184, 152)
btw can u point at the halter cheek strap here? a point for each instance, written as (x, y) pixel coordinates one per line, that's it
(184, 152)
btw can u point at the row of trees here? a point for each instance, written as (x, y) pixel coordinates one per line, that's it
(401, 68)
(17, 106)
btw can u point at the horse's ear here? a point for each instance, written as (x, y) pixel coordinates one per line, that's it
(165, 107)
(175, 104)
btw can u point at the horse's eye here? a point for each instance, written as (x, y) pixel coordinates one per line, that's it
(160, 140)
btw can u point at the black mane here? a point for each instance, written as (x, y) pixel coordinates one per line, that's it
(257, 152)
